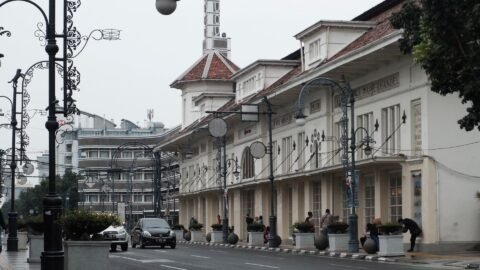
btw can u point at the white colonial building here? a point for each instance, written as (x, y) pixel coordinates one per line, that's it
(425, 169)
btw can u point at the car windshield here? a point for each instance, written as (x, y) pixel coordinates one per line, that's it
(155, 223)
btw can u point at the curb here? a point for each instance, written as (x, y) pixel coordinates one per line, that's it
(335, 254)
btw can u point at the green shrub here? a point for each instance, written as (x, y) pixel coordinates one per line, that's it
(338, 227)
(390, 228)
(21, 225)
(217, 227)
(254, 227)
(178, 227)
(196, 227)
(82, 225)
(304, 227)
(34, 225)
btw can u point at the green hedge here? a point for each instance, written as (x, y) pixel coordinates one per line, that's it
(82, 225)
(196, 227)
(255, 227)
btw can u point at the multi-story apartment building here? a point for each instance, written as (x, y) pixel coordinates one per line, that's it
(424, 169)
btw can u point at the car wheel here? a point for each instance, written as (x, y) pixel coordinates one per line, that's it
(124, 247)
(113, 247)
(133, 243)
(172, 246)
(141, 244)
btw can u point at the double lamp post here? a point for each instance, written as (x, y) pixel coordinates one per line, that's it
(53, 256)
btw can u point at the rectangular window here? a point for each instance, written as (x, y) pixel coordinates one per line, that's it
(314, 49)
(369, 199)
(395, 181)
(301, 151)
(317, 204)
(249, 85)
(104, 154)
(138, 176)
(315, 106)
(138, 198)
(417, 127)
(390, 129)
(68, 148)
(68, 160)
(286, 155)
(364, 121)
(93, 154)
(93, 198)
(126, 154)
(148, 198)
(148, 176)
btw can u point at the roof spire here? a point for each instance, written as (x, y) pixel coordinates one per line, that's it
(213, 40)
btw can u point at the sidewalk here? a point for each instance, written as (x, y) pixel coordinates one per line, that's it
(10, 260)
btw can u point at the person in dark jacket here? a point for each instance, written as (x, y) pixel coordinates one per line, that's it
(4, 227)
(373, 230)
(415, 231)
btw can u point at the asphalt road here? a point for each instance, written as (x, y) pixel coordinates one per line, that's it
(190, 257)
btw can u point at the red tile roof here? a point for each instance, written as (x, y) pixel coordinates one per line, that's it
(211, 66)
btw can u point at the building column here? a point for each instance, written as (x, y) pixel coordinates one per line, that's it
(307, 196)
(298, 210)
(237, 214)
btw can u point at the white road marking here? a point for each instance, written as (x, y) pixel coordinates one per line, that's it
(198, 256)
(347, 266)
(143, 261)
(262, 265)
(171, 267)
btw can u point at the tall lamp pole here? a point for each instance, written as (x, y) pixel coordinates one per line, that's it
(12, 241)
(347, 100)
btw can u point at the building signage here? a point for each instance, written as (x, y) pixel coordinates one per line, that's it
(373, 88)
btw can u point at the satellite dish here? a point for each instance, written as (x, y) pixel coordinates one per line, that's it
(258, 149)
(217, 127)
(28, 169)
(22, 180)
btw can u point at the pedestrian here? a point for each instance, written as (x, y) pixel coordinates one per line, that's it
(372, 229)
(260, 220)
(248, 221)
(4, 227)
(266, 234)
(415, 231)
(326, 220)
(309, 216)
(219, 220)
(193, 221)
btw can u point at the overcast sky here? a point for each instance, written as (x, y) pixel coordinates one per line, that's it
(122, 79)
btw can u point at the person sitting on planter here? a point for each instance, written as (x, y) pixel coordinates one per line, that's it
(412, 226)
(309, 216)
(373, 230)
(266, 234)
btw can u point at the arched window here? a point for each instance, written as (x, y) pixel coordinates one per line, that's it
(248, 164)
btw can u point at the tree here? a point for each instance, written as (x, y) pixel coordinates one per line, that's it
(444, 38)
(32, 198)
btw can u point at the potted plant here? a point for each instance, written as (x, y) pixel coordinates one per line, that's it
(304, 237)
(337, 236)
(390, 240)
(217, 233)
(83, 244)
(35, 230)
(255, 234)
(196, 232)
(179, 229)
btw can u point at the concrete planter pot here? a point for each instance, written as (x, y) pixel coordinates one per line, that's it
(217, 236)
(304, 240)
(35, 248)
(338, 242)
(197, 236)
(178, 234)
(91, 255)
(391, 245)
(255, 238)
(22, 240)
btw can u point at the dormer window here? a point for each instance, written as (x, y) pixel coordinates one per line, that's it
(314, 50)
(249, 85)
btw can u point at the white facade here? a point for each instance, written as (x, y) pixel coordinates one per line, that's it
(424, 169)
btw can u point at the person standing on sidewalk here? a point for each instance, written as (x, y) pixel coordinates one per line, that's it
(415, 231)
(326, 220)
(4, 227)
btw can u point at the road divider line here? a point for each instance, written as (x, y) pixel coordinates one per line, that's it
(198, 256)
(172, 267)
(263, 265)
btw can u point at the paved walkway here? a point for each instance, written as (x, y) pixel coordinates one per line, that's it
(10, 260)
